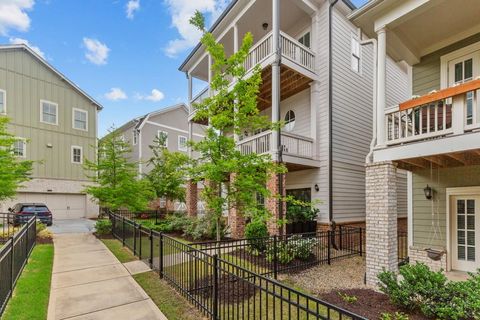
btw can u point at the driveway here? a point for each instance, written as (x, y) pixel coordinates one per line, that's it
(89, 283)
(72, 226)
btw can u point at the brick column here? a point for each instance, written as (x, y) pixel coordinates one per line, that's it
(191, 198)
(381, 219)
(236, 221)
(271, 203)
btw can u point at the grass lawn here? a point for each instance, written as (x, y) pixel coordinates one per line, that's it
(122, 253)
(30, 297)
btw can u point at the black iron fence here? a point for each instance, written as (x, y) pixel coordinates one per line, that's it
(153, 215)
(14, 254)
(226, 285)
(7, 228)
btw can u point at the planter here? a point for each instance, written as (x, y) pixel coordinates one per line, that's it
(435, 255)
(301, 227)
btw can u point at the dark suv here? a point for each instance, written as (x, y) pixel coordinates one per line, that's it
(24, 211)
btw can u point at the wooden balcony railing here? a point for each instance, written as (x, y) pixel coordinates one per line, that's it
(450, 111)
(293, 145)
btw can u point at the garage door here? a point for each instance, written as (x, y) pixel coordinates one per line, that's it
(62, 206)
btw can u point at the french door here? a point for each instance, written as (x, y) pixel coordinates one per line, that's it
(466, 233)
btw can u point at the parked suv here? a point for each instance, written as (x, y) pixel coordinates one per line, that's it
(24, 211)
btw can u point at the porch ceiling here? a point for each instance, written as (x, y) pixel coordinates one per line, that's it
(291, 83)
(447, 160)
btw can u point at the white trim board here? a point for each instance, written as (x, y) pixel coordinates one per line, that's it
(451, 56)
(73, 119)
(4, 101)
(172, 128)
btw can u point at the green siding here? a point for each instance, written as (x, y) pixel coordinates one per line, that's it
(426, 74)
(27, 81)
(440, 180)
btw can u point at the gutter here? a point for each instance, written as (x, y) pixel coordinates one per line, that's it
(330, 110)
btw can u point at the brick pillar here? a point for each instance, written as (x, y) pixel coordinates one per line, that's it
(169, 205)
(271, 203)
(191, 198)
(236, 221)
(381, 219)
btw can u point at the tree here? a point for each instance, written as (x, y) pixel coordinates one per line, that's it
(13, 171)
(232, 110)
(116, 177)
(167, 171)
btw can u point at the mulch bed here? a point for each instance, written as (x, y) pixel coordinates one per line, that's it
(370, 304)
(230, 289)
(41, 240)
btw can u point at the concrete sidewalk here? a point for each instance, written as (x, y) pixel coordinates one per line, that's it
(89, 282)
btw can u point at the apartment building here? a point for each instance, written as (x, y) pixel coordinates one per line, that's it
(320, 81)
(57, 124)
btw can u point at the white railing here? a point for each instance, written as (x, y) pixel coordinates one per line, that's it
(200, 96)
(291, 49)
(293, 145)
(433, 120)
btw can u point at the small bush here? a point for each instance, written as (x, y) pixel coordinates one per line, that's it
(302, 247)
(204, 228)
(285, 254)
(41, 226)
(347, 298)
(256, 232)
(103, 227)
(394, 316)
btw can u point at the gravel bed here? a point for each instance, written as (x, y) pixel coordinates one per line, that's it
(340, 275)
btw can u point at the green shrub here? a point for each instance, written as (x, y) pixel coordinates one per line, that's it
(256, 233)
(103, 227)
(204, 228)
(394, 316)
(302, 247)
(347, 298)
(41, 226)
(419, 288)
(285, 254)
(301, 213)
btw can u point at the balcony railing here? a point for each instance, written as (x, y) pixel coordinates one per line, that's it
(293, 145)
(436, 115)
(200, 96)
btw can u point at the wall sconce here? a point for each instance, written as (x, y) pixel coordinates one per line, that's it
(265, 26)
(428, 192)
(317, 188)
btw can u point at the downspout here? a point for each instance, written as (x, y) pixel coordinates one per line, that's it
(330, 113)
(369, 158)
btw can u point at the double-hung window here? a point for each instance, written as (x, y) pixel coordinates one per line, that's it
(20, 148)
(135, 136)
(77, 154)
(163, 136)
(305, 40)
(3, 101)
(48, 112)
(182, 143)
(80, 119)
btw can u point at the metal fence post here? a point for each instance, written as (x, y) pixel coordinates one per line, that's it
(215, 288)
(160, 258)
(329, 248)
(341, 237)
(12, 259)
(360, 242)
(275, 257)
(156, 216)
(123, 231)
(151, 249)
(140, 241)
(134, 239)
(26, 241)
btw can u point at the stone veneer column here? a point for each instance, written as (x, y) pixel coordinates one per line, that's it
(236, 221)
(271, 203)
(191, 198)
(381, 219)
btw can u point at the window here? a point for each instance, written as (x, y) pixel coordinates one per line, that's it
(163, 135)
(289, 120)
(135, 136)
(305, 40)
(3, 101)
(20, 148)
(48, 112)
(355, 54)
(77, 154)
(80, 119)
(182, 143)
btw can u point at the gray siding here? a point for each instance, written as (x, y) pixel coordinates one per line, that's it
(439, 180)
(27, 81)
(426, 73)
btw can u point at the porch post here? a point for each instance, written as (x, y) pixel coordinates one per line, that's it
(275, 143)
(381, 219)
(190, 111)
(381, 85)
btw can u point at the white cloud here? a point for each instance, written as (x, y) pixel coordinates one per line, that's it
(181, 11)
(97, 52)
(155, 95)
(132, 7)
(13, 15)
(26, 42)
(116, 94)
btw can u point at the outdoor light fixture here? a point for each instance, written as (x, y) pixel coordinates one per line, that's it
(265, 26)
(428, 192)
(316, 187)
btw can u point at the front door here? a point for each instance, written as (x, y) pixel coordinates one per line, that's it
(466, 233)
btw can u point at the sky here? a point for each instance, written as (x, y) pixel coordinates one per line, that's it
(123, 53)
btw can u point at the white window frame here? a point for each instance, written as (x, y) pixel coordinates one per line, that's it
(4, 101)
(184, 148)
(166, 140)
(355, 54)
(24, 153)
(135, 135)
(302, 35)
(73, 119)
(72, 155)
(56, 112)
